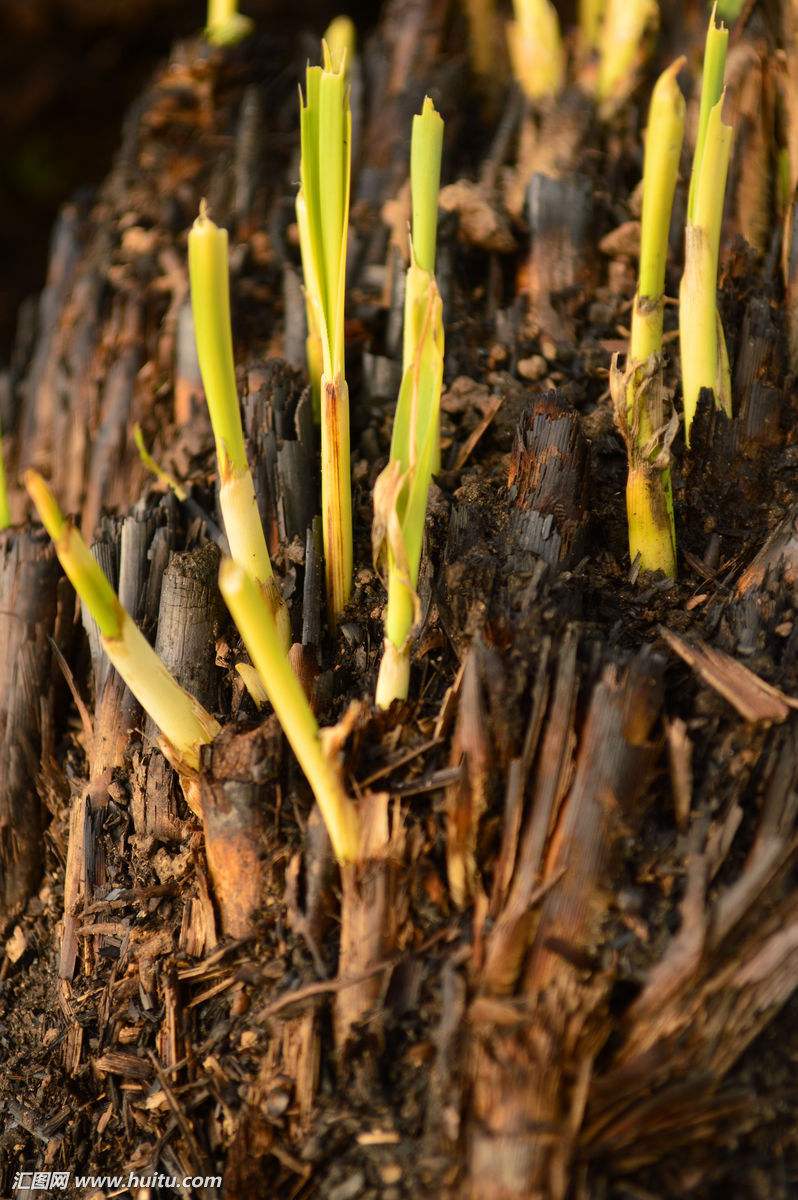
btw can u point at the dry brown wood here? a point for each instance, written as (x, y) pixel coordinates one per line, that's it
(530, 1068)
(239, 772)
(371, 916)
(754, 699)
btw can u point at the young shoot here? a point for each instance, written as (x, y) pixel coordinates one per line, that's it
(5, 509)
(226, 25)
(623, 44)
(638, 392)
(729, 10)
(536, 48)
(210, 303)
(704, 358)
(400, 493)
(591, 15)
(482, 36)
(155, 468)
(184, 724)
(341, 40)
(322, 208)
(259, 633)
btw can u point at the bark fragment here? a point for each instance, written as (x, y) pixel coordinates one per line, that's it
(29, 574)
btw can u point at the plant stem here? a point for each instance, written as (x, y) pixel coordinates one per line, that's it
(717, 41)
(341, 39)
(5, 509)
(184, 723)
(291, 706)
(210, 302)
(624, 35)
(702, 344)
(536, 48)
(226, 25)
(323, 217)
(591, 15)
(641, 406)
(400, 494)
(482, 36)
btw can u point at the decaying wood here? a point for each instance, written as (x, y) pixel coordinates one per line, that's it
(370, 916)
(225, 990)
(189, 617)
(720, 981)
(548, 481)
(754, 699)
(28, 610)
(240, 771)
(532, 1055)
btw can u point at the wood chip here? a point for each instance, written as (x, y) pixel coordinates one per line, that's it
(753, 699)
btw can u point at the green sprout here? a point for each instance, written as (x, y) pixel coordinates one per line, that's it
(210, 302)
(341, 39)
(536, 48)
(322, 208)
(729, 10)
(258, 630)
(155, 468)
(638, 392)
(591, 15)
(226, 25)
(481, 36)
(184, 724)
(400, 493)
(5, 509)
(622, 45)
(705, 362)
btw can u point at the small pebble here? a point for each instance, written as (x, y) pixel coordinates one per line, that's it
(533, 368)
(350, 1188)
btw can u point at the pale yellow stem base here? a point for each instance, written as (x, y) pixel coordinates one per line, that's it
(393, 681)
(650, 524)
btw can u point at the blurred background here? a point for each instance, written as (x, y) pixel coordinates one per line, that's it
(68, 71)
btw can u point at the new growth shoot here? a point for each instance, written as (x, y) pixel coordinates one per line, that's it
(226, 25)
(705, 362)
(400, 493)
(183, 722)
(322, 208)
(638, 392)
(591, 14)
(5, 510)
(623, 45)
(482, 36)
(210, 303)
(341, 37)
(536, 48)
(257, 628)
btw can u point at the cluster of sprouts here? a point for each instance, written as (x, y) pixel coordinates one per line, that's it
(611, 33)
(246, 578)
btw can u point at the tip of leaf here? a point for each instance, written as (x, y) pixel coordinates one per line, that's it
(203, 216)
(335, 65)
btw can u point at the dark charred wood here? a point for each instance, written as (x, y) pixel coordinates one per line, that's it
(548, 481)
(29, 574)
